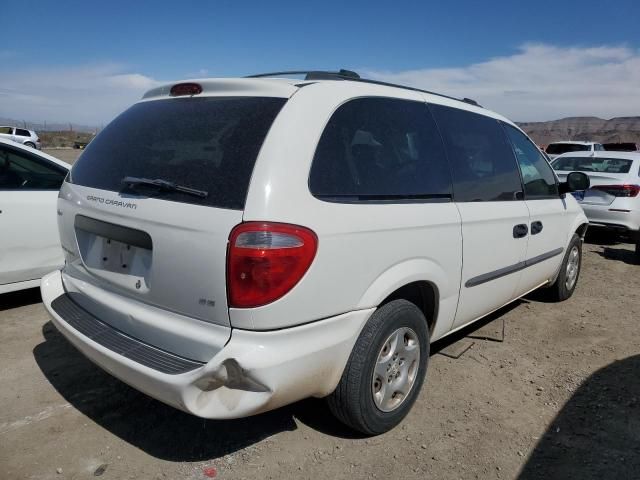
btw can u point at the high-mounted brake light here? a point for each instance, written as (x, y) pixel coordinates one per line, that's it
(619, 190)
(189, 88)
(266, 260)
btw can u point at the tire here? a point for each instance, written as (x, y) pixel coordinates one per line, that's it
(638, 249)
(359, 400)
(565, 284)
(30, 144)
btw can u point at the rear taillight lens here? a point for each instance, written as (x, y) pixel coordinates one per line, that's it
(619, 190)
(266, 260)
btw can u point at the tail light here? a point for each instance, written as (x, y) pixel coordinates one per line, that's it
(266, 260)
(619, 190)
(188, 88)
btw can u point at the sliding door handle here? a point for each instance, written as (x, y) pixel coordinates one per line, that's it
(536, 227)
(520, 230)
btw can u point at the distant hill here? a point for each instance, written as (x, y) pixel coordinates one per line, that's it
(619, 129)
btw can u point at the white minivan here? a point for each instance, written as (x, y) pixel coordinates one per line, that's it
(234, 245)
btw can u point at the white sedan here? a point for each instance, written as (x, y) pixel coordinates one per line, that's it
(29, 242)
(613, 201)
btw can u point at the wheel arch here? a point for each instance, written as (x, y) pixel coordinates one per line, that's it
(422, 294)
(420, 281)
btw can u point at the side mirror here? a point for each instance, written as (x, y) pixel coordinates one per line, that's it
(576, 181)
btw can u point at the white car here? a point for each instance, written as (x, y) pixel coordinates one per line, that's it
(28, 138)
(235, 245)
(29, 242)
(558, 148)
(613, 201)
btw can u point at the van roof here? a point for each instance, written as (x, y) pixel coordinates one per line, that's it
(273, 85)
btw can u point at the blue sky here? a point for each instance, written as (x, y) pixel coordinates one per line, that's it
(106, 53)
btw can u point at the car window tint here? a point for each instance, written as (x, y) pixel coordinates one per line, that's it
(560, 148)
(481, 158)
(593, 164)
(22, 133)
(208, 143)
(537, 176)
(21, 171)
(380, 149)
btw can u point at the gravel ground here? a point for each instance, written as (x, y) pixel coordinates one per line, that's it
(68, 155)
(558, 398)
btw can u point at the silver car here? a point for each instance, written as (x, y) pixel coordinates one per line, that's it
(26, 137)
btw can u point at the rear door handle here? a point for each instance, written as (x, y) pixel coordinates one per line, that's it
(536, 227)
(520, 230)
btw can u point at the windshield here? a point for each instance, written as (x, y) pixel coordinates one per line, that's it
(208, 144)
(591, 164)
(560, 148)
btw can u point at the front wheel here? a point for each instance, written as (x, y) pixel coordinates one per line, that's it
(385, 371)
(565, 284)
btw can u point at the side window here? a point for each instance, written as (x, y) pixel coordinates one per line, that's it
(481, 158)
(6, 130)
(22, 133)
(380, 149)
(537, 175)
(20, 171)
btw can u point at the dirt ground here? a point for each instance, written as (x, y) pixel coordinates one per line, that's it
(69, 155)
(558, 398)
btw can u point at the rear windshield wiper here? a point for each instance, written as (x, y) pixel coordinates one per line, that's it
(163, 185)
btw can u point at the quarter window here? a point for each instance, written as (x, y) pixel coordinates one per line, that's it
(380, 149)
(20, 171)
(481, 158)
(537, 176)
(22, 133)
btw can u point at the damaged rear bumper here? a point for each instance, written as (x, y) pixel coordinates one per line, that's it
(254, 372)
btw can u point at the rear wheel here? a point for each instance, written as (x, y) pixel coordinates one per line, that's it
(565, 284)
(385, 371)
(30, 144)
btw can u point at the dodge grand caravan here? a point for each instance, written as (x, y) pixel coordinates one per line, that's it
(235, 245)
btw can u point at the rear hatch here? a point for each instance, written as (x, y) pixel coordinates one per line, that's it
(147, 210)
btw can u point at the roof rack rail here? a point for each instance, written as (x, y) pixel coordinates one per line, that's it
(343, 74)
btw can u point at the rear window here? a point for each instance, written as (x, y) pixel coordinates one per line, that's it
(621, 147)
(560, 148)
(591, 164)
(207, 144)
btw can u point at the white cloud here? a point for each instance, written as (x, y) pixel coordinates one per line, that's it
(90, 95)
(540, 82)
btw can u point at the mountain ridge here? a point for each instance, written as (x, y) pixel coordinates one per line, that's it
(617, 129)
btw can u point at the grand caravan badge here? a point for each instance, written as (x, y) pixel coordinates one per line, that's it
(112, 202)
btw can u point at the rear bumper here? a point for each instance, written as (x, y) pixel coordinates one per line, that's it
(615, 216)
(253, 373)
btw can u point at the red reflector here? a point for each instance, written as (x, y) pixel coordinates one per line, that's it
(619, 190)
(266, 260)
(185, 89)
